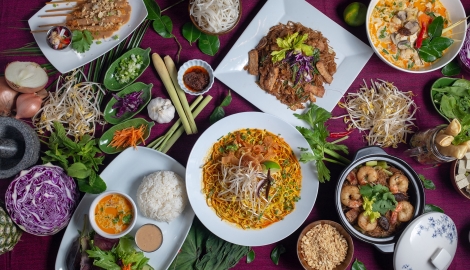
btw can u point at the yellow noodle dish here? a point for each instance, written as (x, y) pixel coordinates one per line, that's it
(252, 178)
(408, 33)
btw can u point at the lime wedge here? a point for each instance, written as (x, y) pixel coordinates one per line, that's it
(274, 166)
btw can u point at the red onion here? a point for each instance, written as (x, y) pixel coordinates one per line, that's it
(27, 105)
(7, 98)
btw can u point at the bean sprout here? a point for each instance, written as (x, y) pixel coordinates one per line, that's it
(75, 104)
(383, 110)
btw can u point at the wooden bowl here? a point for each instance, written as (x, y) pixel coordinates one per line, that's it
(347, 260)
(213, 33)
(453, 173)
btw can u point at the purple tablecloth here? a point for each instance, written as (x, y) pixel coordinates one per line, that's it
(33, 252)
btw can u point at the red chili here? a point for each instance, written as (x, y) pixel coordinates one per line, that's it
(424, 29)
(340, 134)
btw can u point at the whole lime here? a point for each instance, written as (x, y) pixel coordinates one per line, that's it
(355, 14)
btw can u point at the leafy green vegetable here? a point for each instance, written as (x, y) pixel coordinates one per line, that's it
(277, 252)
(80, 160)
(219, 112)
(316, 138)
(432, 208)
(190, 32)
(358, 265)
(250, 256)
(383, 199)
(291, 42)
(452, 97)
(451, 69)
(153, 9)
(433, 46)
(204, 250)
(428, 184)
(81, 40)
(208, 44)
(464, 134)
(163, 26)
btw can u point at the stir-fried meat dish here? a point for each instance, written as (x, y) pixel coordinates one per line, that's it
(101, 17)
(293, 62)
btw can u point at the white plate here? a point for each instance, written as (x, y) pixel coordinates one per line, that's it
(124, 174)
(207, 215)
(351, 56)
(68, 60)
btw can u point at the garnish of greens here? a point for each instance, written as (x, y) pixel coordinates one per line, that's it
(128, 69)
(78, 159)
(219, 112)
(81, 40)
(316, 137)
(432, 208)
(377, 200)
(208, 44)
(432, 47)
(203, 250)
(428, 184)
(128, 103)
(358, 265)
(294, 43)
(452, 100)
(277, 252)
(122, 256)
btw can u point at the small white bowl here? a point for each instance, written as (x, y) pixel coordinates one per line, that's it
(192, 63)
(97, 229)
(456, 13)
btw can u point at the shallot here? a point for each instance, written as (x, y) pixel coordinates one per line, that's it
(27, 105)
(26, 77)
(7, 98)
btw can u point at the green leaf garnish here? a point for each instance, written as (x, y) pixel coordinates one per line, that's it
(291, 42)
(250, 256)
(381, 198)
(219, 112)
(81, 40)
(190, 32)
(432, 208)
(451, 69)
(428, 184)
(208, 44)
(276, 253)
(358, 265)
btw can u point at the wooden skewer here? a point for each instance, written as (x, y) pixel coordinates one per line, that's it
(61, 2)
(55, 15)
(60, 9)
(51, 24)
(38, 31)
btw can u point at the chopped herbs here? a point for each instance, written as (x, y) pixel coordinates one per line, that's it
(81, 40)
(129, 68)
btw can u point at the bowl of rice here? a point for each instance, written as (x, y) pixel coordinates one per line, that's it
(162, 196)
(215, 17)
(324, 244)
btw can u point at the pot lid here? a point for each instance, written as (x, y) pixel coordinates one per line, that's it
(429, 242)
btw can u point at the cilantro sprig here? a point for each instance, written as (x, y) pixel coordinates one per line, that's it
(81, 40)
(291, 42)
(316, 138)
(381, 197)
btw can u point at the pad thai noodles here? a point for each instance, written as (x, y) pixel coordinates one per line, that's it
(293, 62)
(252, 178)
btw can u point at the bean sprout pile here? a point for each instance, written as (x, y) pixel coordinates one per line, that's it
(383, 110)
(75, 104)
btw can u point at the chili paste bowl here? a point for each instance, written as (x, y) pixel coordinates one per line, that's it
(196, 77)
(415, 193)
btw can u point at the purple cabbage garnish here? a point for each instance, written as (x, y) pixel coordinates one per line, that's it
(128, 103)
(302, 66)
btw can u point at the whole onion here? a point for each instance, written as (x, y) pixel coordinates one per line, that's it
(26, 77)
(41, 200)
(27, 105)
(7, 98)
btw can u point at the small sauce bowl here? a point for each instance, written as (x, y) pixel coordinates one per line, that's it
(149, 238)
(199, 66)
(59, 38)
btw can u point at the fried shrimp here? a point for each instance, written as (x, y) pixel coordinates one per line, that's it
(403, 212)
(398, 183)
(364, 222)
(350, 196)
(367, 174)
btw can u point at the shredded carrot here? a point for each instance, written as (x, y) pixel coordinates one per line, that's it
(126, 267)
(128, 137)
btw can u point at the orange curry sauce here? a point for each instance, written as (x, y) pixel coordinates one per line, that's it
(113, 214)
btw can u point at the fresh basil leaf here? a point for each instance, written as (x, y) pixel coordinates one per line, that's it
(208, 44)
(441, 43)
(428, 53)
(428, 184)
(451, 69)
(190, 32)
(358, 265)
(78, 170)
(276, 253)
(153, 9)
(448, 103)
(432, 208)
(216, 115)
(436, 26)
(163, 26)
(226, 100)
(250, 256)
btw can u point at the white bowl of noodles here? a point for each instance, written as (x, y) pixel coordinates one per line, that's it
(199, 198)
(383, 27)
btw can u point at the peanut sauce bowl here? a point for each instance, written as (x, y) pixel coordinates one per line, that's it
(201, 68)
(415, 193)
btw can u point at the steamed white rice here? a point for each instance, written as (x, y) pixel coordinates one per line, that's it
(162, 196)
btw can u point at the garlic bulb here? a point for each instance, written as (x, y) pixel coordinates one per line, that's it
(161, 110)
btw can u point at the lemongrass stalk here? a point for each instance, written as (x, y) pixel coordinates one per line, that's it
(165, 76)
(179, 131)
(157, 142)
(170, 65)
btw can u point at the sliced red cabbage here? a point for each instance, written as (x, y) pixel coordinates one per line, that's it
(465, 51)
(128, 103)
(41, 200)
